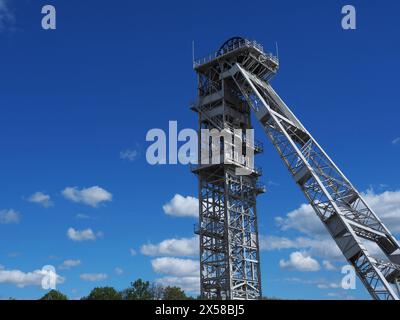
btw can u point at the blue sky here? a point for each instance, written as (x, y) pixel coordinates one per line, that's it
(73, 99)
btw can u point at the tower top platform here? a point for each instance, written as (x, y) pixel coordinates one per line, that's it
(238, 49)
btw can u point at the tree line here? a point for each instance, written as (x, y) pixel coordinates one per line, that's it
(138, 290)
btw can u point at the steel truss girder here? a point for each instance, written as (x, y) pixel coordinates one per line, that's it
(341, 208)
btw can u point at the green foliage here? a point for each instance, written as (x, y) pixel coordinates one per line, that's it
(144, 290)
(174, 293)
(157, 291)
(104, 293)
(54, 295)
(139, 290)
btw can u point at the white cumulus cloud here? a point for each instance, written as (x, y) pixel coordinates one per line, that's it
(172, 247)
(187, 284)
(300, 261)
(320, 245)
(22, 279)
(328, 265)
(42, 199)
(82, 235)
(92, 196)
(9, 216)
(183, 273)
(303, 220)
(119, 271)
(176, 267)
(68, 264)
(387, 207)
(92, 277)
(181, 206)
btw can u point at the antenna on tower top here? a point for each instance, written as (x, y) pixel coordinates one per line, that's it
(193, 57)
(277, 50)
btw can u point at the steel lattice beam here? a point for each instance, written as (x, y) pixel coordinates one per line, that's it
(338, 204)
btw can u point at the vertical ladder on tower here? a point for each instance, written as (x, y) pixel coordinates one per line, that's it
(341, 208)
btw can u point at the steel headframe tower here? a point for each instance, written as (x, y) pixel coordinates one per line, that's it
(341, 208)
(229, 249)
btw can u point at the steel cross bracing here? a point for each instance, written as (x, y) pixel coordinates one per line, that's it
(341, 208)
(229, 252)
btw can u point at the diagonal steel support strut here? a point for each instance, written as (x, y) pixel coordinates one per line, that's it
(341, 208)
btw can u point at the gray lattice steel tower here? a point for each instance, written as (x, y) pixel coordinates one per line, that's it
(229, 249)
(242, 69)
